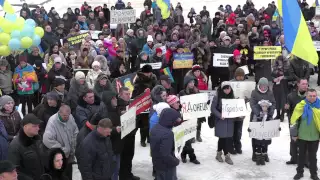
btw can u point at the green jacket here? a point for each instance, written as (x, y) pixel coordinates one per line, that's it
(308, 132)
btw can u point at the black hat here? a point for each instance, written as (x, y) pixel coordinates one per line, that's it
(165, 78)
(53, 96)
(180, 46)
(146, 68)
(6, 166)
(30, 119)
(58, 82)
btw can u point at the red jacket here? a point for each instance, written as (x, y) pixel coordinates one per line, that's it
(202, 84)
(232, 19)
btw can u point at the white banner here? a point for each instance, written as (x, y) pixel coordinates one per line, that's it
(128, 121)
(318, 10)
(232, 108)
(184, 132)
(317, 44)
(245, 69)
(195, 106)
(264, 130)
(221, 60)
(157, 65)
(123, 16)
(94, 34)
(242, 89)
(211, 94)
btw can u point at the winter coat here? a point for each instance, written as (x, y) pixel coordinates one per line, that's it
(140, 40)
(12, 123)
(139, 61)
(91, 77)
(257, 96)
(233, 65)
(142, 83)
(263, 69)
(292, 100)
(96, 163)
(147, 49)
(259, 142)
(98, 89)
(62, 96)
(94, 22)
(62, 135)
(26, 153)
(201, 55)
(55, 174)
(119, 5)
(103, 64)
(76, 90)
(162, 141)
(48, 40)
(299, 69)
(155, 94)
(62, 73)
(31, 59)
(84, 62)
(5, 78)
(85, 111)
(29, 75)
(4, 145)
(201, 80)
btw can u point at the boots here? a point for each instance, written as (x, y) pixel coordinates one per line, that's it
(298, 176)
(195, 161)
(183, 158)
(266, 157)
(258, 158)
(199, 139)
(219, 156)
(262, 160)
(228, 159)
(254, 157)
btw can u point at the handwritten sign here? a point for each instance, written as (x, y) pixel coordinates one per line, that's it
(221, 60)
(94, 34)
(123, 16)
(195, 106)
(242, 89)
(232, 108)
(128, 121)
(182, 61)
(264, 130)
(154, 65)
(184, 132)
(77, 39)
(266, 52)
(142, 102)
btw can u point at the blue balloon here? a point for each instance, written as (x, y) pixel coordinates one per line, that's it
(30, 22)
(15, 34)
(11, 17)
(27, 31)
(36, 40)
(14, 44)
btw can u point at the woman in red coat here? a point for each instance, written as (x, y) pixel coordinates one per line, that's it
(202, 79)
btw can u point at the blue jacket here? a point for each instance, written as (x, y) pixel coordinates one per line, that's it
(147, 50)
(120, 5)
(4, 145)
(162, 141)
(154, 119)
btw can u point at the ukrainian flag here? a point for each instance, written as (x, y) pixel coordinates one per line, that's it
(315, 4)
(164, 5)
(167, 72)
(296, 33)
(6, 6)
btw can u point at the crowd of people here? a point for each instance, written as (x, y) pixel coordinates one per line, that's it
(72, 116)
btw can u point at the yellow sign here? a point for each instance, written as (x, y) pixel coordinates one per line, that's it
(266, 52)
(77, 39)
(182, 61)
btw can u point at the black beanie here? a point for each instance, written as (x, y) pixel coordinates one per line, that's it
(58, 82)
(146, 69)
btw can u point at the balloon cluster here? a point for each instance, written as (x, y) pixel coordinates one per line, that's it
(18, 34)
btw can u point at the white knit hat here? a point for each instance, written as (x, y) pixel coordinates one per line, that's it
(160, 107)
(79, 75)
(95, 63)
(149, 39)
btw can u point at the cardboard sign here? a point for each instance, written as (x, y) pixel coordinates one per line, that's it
(232, 108)
(264, 130)
(266, 52)
(126, 81)
(221, 60)
(184, 132)
(94, 34)
(154, 65)
(182, 61)
(128, 121)
(317, 44)
(77, 39)
(317, 10)
(123, 16)
(242, 89)
(245, 69)
(142, 102)
(195, 106)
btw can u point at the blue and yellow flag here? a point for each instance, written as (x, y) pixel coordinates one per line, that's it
(296, 33)
(316, 3)
(167, 72)
(164, 6)
(6, 6)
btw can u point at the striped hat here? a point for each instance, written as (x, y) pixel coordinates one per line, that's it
(171, 99)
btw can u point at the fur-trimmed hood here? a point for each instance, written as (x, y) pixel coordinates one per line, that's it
(103, 64)
(156, 92)
(189, 73)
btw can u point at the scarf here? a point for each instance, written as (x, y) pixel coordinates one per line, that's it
(307, 110)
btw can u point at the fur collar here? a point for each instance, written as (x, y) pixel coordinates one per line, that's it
(25, 140)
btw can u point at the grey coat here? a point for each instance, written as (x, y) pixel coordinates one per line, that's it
(257, 96)
(5, 78)
(61, 135)
(223, 128)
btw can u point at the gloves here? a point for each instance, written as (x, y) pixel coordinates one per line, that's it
(279, 128)
(249, 130)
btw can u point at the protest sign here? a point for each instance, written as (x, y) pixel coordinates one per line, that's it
(245, 69)
(157, 65)
(142, 102)
(178, 139)
(317, 44)
(211, 94)
(221, 60)
(123, 16)
(77, 39)
(264, 130)
(94, 34)
(266, 52)
(182, 61)
(242, 89)
(195, 106)
(317, 10)
(184, 132)
(126, 81)
(232, 108)
(128, 121)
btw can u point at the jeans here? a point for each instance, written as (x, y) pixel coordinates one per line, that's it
(170, 174)
(115, 175)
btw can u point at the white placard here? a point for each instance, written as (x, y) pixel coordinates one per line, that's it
(245, 69)
(318, 10)
(178, 139)
(164, 49)
(221, 60)
(264, 130)
(123, 16)
(232, 108)
(242, 89)
(157, 65)
(195, 106)
(317, 45)
(113, 26)
(128, 121)
(184, 132)
(211, 94)
(94, 34)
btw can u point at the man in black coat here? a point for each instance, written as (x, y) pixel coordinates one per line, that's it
(97, 163)
(299, 69)
(25, 149)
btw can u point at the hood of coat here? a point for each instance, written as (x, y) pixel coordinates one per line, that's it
(202, 74)
(142, 79)
(84, 104)
(187, 79)
(156, 94)
(98, 88)
(79, 89)
(103, 64)
(4, 62)
(56, 172)
(168, 117)
(144, 33)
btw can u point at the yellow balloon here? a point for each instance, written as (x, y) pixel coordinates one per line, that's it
(19, 24)
(4, 50)
(26, 42)
(4, 38)
(39, 31)
(1, 19)
(7, 26)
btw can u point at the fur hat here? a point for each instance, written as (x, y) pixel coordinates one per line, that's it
(146, 68)
(95, 63)
(79, 75)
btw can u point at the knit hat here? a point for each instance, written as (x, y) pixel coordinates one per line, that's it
(4, 100)
(79, 75)
(239, 72)
(165, 78)
(102, 76)
(57, 60)
(23, 58)
(95, 63)
(187, 79)
(196, 67)
(236, 53)
(58, 82)
(3, 62)
(52, 95)
(171, 99)
(146, 68)
(30, 119)
(160, 106)
(158, 50)
(149, 39)
(263, 81)
(98, 42)
(129, 31)
(224, 84)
